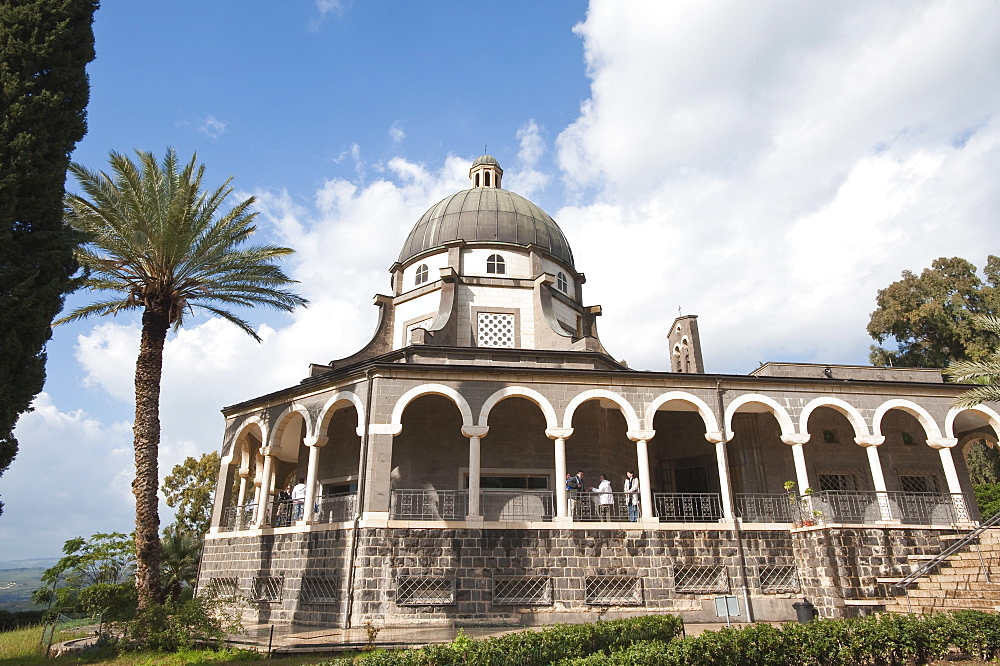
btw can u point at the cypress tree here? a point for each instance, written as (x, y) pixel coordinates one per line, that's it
(45, 46)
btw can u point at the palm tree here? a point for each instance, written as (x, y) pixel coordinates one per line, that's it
(155, 242)
(180, 554)
(985, 372)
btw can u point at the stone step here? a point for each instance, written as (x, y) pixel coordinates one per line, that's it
(920, 593)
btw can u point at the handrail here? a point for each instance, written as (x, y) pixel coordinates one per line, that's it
(905, 583)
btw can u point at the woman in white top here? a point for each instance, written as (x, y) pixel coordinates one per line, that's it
(632, 496)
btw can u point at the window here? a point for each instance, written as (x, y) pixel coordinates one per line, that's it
(522, 591)
(512, 482)
(486, 178)
(267, 588)
(413, 591)
(775, 579)
(830, 436)
(695, 579)
(919, 484)
(842, 482)
(318, 590)
(561, 284)
(495, 265)
(613, 591)
(421, 274)
(496, 329)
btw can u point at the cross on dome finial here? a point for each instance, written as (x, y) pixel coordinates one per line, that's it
(485, 172)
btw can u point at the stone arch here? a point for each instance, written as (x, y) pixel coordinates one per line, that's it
(551, 420)
(845, 408)
(282, 422)
(779, 412)
(257, 422)
(926, 421)
(989, 415)
(428, 389)
(627, 410)
(711, 424)
(331, 406)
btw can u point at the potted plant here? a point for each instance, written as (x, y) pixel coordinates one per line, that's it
(793, 503)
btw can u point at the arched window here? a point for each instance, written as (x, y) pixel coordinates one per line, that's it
(495, 265)
(477, 180)
(561, 282)
(421, 274)
(486, 178)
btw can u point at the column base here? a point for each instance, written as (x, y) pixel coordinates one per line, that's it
(563, 521)
(473, 520)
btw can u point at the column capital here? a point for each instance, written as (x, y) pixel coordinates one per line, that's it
(796, 438)
(267, 451)
(558, 433)
(870, 441)
(318, 441)
(475, 431)
(644, 435)
(385, 429)
(717, 437)
(942, 442)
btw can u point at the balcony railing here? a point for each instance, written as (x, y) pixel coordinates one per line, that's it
(761, 508)
(687, 507)
(516, 505)
(336, 508)
(236, 518)
(604, 507)
(844, 506)
(408, 504)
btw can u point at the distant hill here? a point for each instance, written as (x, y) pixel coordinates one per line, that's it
(18, 579)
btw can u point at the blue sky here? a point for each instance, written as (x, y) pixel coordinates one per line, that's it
(767, 166)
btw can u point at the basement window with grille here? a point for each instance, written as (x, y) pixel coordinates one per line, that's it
(522, 591)
(414, 591)
(267, 588)
(224, 588)
(692, 579)
(318, 590)
(613, 591)
(775, 579)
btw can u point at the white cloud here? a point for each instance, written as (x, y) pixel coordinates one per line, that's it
(211, 127)
(396, 132)
(528, 179)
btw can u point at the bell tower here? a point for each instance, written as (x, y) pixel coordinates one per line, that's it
(486, 172)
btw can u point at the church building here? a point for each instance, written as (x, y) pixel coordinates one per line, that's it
(485, 460)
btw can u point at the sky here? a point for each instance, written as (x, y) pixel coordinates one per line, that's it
(767, 166)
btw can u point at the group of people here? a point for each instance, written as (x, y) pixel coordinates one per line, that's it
(290, 503)
(579, 499)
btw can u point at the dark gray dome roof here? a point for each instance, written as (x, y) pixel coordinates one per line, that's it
(485, 159)
(483, 215)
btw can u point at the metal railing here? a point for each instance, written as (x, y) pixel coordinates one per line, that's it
(688, 507)
(851, 506)
(762, 508)
(336, 508)
(515, 504)
(604, 507)
(284, 513)
(236, 518)
(413, 504)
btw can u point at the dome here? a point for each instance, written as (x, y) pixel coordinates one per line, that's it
(486, 159)
(485, 215)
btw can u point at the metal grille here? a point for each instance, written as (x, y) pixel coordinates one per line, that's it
(318, 590)
(267, 588)
(516, 504)
(923, 483)
(758, 508)
(688, 507)
(412, 591)
(522, 591)
(839, 482)
(236, 518)
(224, 588)
(614, 591)
(496, 330)
(336, 508)
(606, 507)
(694, 579)
(774, 578)
(429, 504)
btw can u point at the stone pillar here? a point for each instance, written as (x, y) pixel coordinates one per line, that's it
(944, 445)
(314, 444)
(474, 433)
(377, 476)
(641, 439)
(223, 496)
(264, 501)
(725, 487)
(559, 437)
(796, 441)
(871, 444)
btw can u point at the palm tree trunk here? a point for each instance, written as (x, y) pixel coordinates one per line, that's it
(148, 370)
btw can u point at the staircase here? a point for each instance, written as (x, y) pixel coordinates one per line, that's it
(953, 580)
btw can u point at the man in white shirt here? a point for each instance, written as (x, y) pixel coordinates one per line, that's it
(605, 498)
(299, 498)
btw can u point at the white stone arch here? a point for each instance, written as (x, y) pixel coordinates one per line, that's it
(966, 442)
(282, 422)
(551, 420)
(848, 410)
(779, 412)
(631, 419)
(431, 389)
(711, 424)
(927, 421)
(331, 406)
(989, 414)
(258, 422)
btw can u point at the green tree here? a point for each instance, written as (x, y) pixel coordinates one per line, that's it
(984, 371)
(931, 317)
(190, 489)
(45, 46)
(181, 552)
(104, 559)
(983, 463)
(157, 243)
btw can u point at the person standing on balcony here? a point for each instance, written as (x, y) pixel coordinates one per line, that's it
(632, 496)
(605, 499)
(299, 498)
(574, 488)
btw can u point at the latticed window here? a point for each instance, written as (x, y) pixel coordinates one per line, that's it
(318, 590)
(838, 481)
(224, 588)
(694, 579)
(561, 283)
(774, 578)
(422, 274)
(267, 588)
(495, 265)
(924, 483)
(522, 591)
(496, 330)
(614, 591)
(414, 591)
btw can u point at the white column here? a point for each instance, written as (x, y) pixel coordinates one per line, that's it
(475, 434)
(796, 441)
(314, 444)
(944, 445)
(559, 437)
(242, 498)
(871, 444)
(720, 439)
(264, 501)
(641, 439)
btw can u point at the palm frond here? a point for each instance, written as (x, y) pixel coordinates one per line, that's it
(978, 395)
